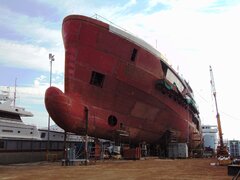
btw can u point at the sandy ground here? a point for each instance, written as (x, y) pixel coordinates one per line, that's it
(119, 169)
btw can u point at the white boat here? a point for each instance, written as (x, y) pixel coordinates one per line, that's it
(20, 142)
(11, 124)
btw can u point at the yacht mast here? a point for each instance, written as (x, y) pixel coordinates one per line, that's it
(15, 92)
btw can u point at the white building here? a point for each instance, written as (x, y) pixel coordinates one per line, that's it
(209, 133)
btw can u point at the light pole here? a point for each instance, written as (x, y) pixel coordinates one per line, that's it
(51, 58)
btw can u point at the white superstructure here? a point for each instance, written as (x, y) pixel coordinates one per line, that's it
(11, 124)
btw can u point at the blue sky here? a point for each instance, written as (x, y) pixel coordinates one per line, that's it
(191, 34)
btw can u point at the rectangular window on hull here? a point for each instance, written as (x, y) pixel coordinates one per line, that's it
(164, 68)
(97, 79)
(134, 54)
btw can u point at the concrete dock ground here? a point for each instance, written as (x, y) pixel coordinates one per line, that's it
(151, 168)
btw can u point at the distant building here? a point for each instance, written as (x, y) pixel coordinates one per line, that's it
(234, 148)
(209, 133)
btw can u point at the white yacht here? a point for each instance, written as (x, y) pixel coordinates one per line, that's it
(20, 142)
(11, 124)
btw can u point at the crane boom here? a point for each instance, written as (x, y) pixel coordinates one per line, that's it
(212, 81)
(222, 150)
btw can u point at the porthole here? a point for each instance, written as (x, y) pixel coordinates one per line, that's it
(112, 121)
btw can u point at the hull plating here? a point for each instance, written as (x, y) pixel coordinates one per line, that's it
(118, 89)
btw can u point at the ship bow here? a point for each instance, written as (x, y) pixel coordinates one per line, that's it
(61, 109)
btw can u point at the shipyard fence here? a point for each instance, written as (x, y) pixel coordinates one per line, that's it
(7, 145)
(23, 151)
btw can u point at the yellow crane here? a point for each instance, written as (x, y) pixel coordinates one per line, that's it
(221, 149)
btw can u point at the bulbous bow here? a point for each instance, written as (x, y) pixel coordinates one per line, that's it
(64, 110)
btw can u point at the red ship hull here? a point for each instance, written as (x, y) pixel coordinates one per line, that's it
(115, 78)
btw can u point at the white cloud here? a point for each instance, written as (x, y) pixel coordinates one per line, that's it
(36, 40)
(30, 56)
(39, 80)
(186, 5)
(110, 9)
(31, 29)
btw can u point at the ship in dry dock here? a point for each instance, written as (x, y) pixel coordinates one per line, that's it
(121, 84)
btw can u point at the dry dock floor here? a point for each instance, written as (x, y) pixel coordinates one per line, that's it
(151, 168)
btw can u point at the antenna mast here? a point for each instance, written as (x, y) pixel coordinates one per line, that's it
(15, 92)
